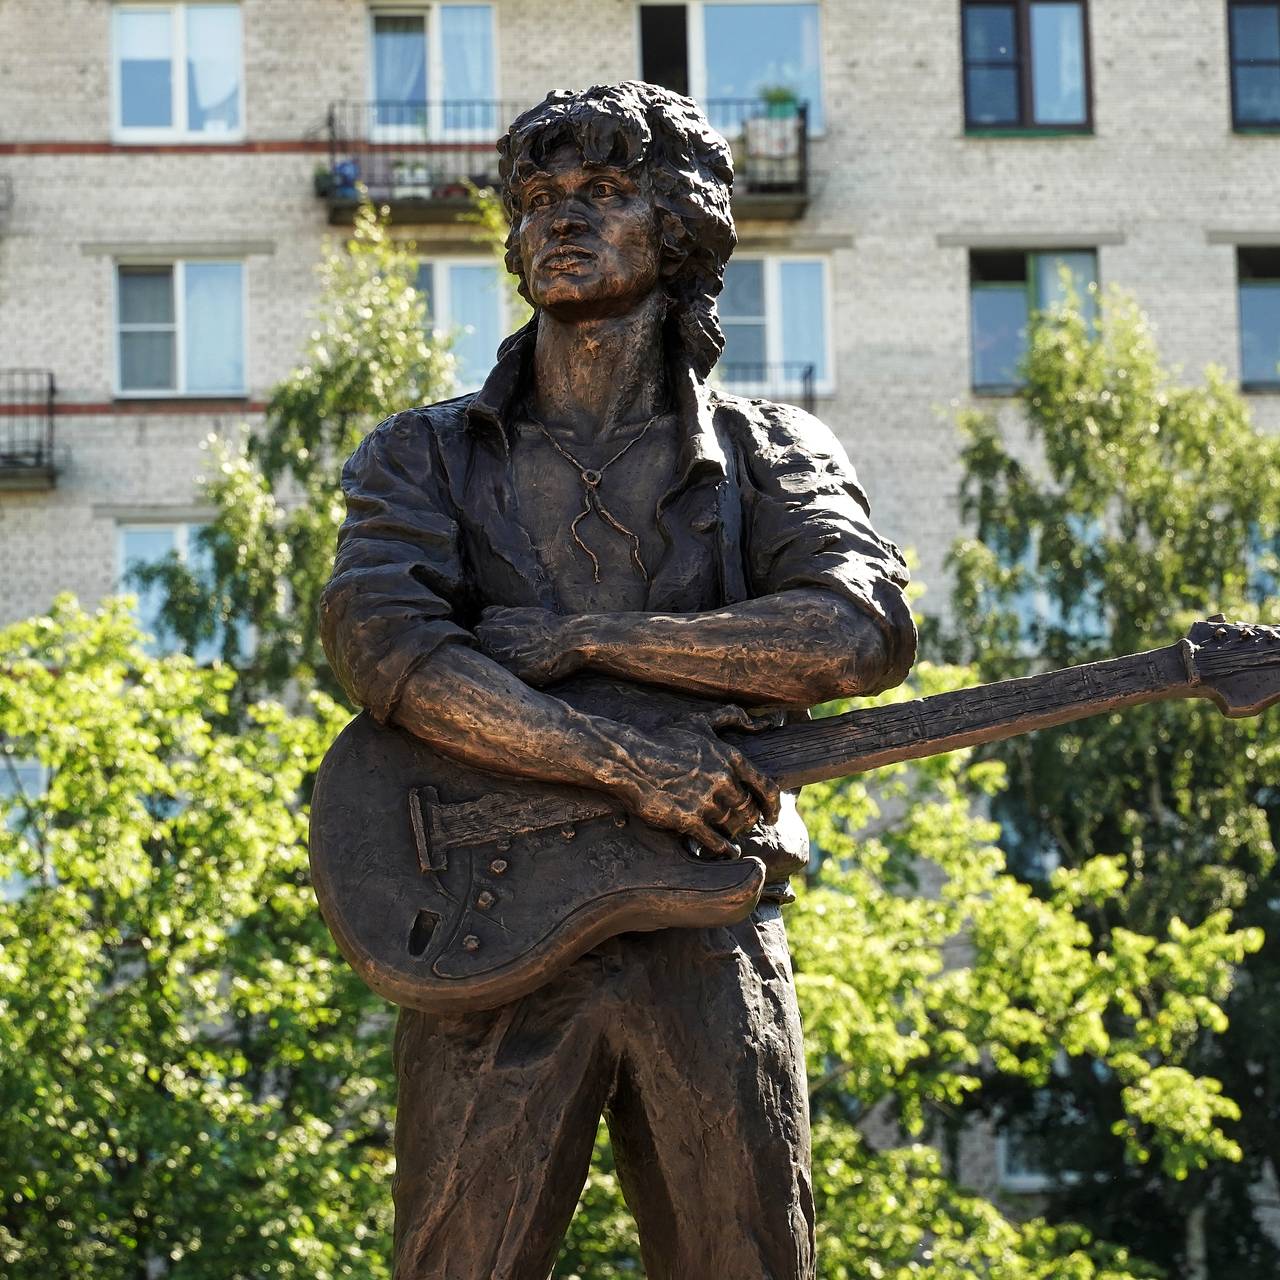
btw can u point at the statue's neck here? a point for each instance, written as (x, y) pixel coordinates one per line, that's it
(598, 377)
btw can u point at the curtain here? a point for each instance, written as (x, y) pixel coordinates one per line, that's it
(213, 68)
(466, 51)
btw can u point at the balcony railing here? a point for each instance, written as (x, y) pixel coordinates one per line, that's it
(26, 429)
(419, 156)
(789, 382)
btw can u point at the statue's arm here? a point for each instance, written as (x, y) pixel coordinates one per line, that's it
(829, 617)
(389, 621)
(792, 648)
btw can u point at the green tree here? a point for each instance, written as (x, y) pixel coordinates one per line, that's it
(191, 1081)
(269, 549)
(1137, 505)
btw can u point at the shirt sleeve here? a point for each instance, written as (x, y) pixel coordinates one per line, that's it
(809, 525)
(397, 578)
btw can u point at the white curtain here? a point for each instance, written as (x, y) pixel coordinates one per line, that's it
(213, 68)
(466, 50)
(400, 69)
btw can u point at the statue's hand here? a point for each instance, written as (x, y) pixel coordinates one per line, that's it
(534, 644)
(690, 780)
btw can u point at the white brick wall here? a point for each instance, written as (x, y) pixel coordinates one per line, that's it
(893, 174)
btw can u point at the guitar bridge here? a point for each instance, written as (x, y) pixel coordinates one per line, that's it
(428, 829)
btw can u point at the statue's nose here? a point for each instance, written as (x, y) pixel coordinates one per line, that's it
(568, 218)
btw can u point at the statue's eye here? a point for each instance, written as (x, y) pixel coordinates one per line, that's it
(539, 200)
(602, 190)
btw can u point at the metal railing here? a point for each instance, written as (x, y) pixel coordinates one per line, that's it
(26, 421)
(430, 151)
(790, 382)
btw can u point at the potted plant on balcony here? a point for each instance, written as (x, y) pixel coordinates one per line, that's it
(780, 101)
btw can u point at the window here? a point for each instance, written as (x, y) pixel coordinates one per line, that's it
(180, 328)
(176, 72)
(1026, 65)
(1255, 64)
(1004, 289)
(1042, 616)
(147, 544)
(465, 300)
(1034, 1144)
(432, 73)
(728, 55)
(1259, 274)
(23, 782)
(774, 315)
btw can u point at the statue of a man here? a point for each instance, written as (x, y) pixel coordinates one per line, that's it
(596, 510)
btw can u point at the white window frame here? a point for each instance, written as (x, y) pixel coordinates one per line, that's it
(440, 303)
(435, 130)
(183, 532)
(178, 266)
(773, 326)
(178, 130)
(696, 43)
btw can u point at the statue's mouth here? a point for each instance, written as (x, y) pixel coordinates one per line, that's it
(566, 255)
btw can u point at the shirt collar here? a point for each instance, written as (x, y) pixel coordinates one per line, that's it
(489, 413)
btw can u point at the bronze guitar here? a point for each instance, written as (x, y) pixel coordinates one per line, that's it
(470, 889)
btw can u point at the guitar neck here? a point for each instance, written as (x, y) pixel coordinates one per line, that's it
(876, 736)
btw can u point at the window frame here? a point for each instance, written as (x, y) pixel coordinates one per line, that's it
(434, 129)
(175, 132)
(1026, 125)
(1252, 386)
(184, 530)
(179, 392)
(1238, 125)
(442, 298)
(773, 325)
(1034, 303)
(696, 44)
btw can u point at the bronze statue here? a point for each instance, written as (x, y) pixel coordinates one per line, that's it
(595, 529)
(577, 607)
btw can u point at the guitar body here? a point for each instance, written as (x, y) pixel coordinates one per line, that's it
(445, 920)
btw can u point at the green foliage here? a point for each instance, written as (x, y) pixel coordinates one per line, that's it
(276, 491)
(188, 1073)
(1136, 506)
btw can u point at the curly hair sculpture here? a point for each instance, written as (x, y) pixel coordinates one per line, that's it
(690, 172)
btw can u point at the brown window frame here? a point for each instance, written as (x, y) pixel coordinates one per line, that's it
(1234, 59)
(1026, 122)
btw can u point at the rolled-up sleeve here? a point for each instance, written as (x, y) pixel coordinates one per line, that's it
(809, 525)
(397, 579)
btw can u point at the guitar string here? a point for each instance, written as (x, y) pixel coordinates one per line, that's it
(591, 478)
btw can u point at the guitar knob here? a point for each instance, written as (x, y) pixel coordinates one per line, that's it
(498, 866)
(620, 821)
(471, 943)
(484, 900)
(568, 831)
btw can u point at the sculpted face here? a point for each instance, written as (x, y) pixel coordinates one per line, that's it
(588, 237)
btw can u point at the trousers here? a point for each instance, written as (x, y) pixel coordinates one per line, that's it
(688, 1041)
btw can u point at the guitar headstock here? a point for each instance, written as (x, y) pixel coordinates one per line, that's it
(1237, 664)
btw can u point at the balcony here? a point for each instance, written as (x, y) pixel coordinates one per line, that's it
(419, 157)
(26, 429)
(787, 383)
